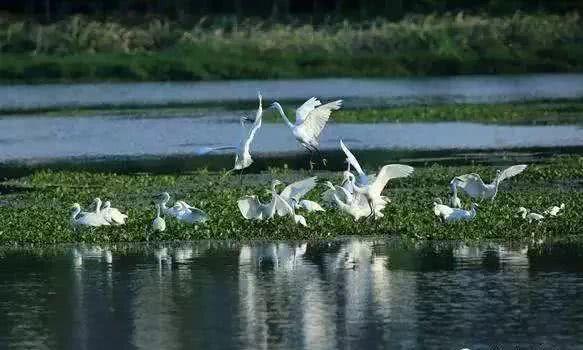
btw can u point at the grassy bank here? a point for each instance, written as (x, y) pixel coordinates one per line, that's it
(35, 209)
(82, 50)
(547, 112)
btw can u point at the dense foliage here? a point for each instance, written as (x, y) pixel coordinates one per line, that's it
(36, 209)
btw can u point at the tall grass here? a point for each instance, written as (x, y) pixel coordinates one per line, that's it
(428, 44)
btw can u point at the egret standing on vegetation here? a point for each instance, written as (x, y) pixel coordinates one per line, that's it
(252, 209)
(530, 216)
(554, 210)
(473, 185)
(294, 192)
(159, 224)
(242, 156)
(113, 215)
(311, 118)
(92, 219)
(448, 214)
(181, 210)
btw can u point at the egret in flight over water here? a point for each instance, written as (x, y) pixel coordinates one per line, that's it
(243, 150)
(473, 185)
(311, 118)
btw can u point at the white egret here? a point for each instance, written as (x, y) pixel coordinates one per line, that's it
(441, 210)
(554, 210)
(372, 188)
(242, 156)
(113, 215)
(190, 214)
(293, 193)
(159, 224)
(530, 216)
(86, 218)
(473, 185)
(344, 191)
(284, 208)
(454, 200)
(252, 209)
(163, 199)
(309, 206)
(354, 205)
(311, 118)
(449, 214)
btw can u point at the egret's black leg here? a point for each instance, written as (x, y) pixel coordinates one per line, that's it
(311, 163)
(322, 159)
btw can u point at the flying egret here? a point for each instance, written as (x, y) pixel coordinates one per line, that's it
(311, 118)
(159, 224)
(473, 185)
(190, 214)
(554, 210)
(113, 215)
(449, 214)
(293, 193)
(530, 216)
(372, 189)
(242, 155)
(86, 218)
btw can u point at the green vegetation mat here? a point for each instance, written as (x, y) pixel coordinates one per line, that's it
(36, 209)
(78, 49)
(547, 112)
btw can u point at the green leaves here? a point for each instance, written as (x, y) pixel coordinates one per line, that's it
(38, 206)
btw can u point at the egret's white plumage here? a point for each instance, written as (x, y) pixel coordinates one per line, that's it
(473, 185)
(355, 205)
(284, 208)
(311, 118)
(454, 200)
(159, 224)
(449, 214)
(93, 219)
(252, 209)
(293, 193)
(372, 189)
(190, 214)
(243, 150)
(530, 216)
(162, 199)
(554, 210)
(113, 215)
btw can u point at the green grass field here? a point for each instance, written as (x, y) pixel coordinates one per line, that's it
(36, 209)
(79, 49)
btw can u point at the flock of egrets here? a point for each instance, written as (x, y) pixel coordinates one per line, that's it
(358, 195)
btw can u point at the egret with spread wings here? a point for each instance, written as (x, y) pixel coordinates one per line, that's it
(243, 150)
(474, 186)
(370, 188)
(311, 118)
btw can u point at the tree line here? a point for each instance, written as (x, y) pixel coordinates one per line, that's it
(48, 10)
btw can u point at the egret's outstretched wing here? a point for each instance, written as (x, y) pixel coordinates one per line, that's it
(354, 163)
(249, 206)
(510, 172)
(315, 121)
(298, 189)
(256, 125)
(388, 172)
(282, 206)
(305, 109)
(205, 150)
(472, 184)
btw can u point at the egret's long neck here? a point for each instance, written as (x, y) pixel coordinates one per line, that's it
(158, 211)
(283, 116)
(75, 213)
(98, 206)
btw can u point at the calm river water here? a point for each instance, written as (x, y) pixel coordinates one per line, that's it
(350, 293)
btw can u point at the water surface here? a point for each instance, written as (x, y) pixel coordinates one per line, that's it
(352, 293)
(45, 138)
(369, 92)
